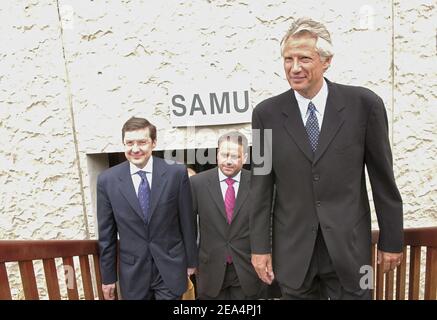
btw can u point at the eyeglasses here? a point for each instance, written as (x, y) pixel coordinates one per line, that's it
(138, 143)
(232, 157)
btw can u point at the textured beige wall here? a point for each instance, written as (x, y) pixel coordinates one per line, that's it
(415, 117)
(65, 92)
(40, 194)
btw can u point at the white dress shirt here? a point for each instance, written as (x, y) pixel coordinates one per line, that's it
(319, 101)
(136, 179)
(224, 185)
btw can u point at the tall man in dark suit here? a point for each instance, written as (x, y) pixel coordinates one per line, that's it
(220, 199)
(147, 203)
(323, 135)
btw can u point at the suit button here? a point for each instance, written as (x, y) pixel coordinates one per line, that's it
(318, 203)
(316, 177)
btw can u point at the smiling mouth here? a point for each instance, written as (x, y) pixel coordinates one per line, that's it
(136, 156)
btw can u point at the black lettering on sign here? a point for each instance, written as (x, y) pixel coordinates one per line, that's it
(224, 102)
(218, 104)
(179, 105)
(193, 105)
(246, 102)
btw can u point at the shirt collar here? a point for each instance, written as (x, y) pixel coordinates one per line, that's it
(223, 177)
(319, 100)
(148, 168)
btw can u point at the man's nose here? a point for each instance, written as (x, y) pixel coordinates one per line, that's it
(135, 148)
(295, 67)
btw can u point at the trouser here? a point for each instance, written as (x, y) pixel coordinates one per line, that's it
(321, 281)
(231, 288)
(158, 290)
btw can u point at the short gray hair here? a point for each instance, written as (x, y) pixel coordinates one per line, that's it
(235, 137)
(316, 29)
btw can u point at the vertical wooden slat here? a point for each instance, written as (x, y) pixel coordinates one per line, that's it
(372, 291)
(52, 280)
(431, 274)
(86, 277)
(70, 278)
(98, 276)
(379, 282)
(28, 280)
(5, 289)
(414, 279)
(401, 273)
(389, 285)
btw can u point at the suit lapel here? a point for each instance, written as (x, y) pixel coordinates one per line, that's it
(243, 192)
(159, 180)
(332, 120)
(128, 191)
(294, 125)
(216, 192)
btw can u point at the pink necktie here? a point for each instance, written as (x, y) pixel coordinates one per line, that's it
(229, 206)
(230, 199)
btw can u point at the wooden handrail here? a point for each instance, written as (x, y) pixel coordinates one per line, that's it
(24, 250)
(425, 237)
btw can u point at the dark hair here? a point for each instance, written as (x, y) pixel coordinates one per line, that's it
(236, 137)
(134, 124)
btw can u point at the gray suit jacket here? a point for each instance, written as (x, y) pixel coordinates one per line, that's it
(218, 238)
(168, 237)
(327, 188)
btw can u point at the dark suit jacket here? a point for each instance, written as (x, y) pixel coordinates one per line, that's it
(218, 238)
(327, 188)
(168, 237)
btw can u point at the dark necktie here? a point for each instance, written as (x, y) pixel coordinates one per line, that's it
(144, 195)
(312, 126)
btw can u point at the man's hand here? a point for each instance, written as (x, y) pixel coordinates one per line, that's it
(263, 267)
(389, 260)
(191, 271)
(108, 291)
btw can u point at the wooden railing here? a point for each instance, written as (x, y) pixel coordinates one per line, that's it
(388, 286)
(25, 252)
(394, 284)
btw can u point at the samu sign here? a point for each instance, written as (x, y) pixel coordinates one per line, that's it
(210, 107)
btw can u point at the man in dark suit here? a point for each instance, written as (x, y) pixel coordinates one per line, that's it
(147, 203)
(220, 200)
(323, 135)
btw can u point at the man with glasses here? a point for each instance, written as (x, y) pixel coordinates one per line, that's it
(147, 203)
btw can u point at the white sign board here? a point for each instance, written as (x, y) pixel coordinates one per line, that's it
(207, 105)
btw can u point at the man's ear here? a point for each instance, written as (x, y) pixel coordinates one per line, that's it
(154, 144)
(326, 63)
